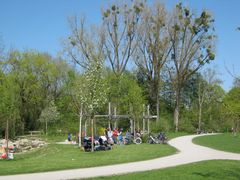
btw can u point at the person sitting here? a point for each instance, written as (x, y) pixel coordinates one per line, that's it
(69, 137)
(120, 137)
(128, 138)
(102, 140)
(162, 137)
(109, 133)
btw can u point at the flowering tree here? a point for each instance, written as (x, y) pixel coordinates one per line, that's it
(94, 89)
(90, 90)
(49, 114)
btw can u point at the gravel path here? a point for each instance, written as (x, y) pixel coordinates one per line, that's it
(188, 153)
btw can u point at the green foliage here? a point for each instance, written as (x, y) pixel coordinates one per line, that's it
(49, 114)
(232, 100)
(126, 95)
(31, 80)
(9, 106)
(232, 107)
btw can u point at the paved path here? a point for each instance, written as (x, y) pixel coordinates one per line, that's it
(189, 153)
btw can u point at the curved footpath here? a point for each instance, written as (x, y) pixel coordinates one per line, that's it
(189, 153)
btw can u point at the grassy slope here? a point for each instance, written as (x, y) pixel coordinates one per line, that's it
(212, 170)
(56, 157)
(224, 142)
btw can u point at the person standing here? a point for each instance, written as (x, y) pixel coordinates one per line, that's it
(115, 135)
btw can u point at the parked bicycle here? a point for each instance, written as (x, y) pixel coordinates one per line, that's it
(129, 138)
(161, 138)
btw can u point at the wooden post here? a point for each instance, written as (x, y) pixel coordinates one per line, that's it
(85, 128)
(115, 119)
(7, 135)
(134, 128)
(148, 114)
(92, 133)
(131, 125)
(80, 128)
(46, 127)
(143, 117)
(157, 112)
(109, 115)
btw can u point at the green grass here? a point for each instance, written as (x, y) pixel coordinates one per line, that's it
(59, 157)
(224, 142)
(53, 138)
(211, 170)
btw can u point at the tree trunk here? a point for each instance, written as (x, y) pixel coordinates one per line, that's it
(46, 127)
(92, 135)
(85, 128)
(158, 104)
(80, 129)
(148, 114)
(143, 118)
(7, 136)
(199, 118)
(176, 111)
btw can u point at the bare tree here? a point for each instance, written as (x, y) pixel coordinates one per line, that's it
(153, 48)
(192, 40)
(120, 23)
(84, 45)
(236, 82)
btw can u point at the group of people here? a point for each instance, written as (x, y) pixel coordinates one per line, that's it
(115, 136)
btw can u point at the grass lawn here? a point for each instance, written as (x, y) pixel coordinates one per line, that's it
(59, 157)
(224, 142)
(212, 170)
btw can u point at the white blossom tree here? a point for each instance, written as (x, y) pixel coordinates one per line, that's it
(49, 114)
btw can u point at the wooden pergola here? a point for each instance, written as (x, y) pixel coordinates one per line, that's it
(113, 117)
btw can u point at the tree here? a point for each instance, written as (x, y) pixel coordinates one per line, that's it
(206, 91)
(37, 78)
(131, 94)
(232, 105)
(153, 49)
(9, 105)
(236, 82)
(120, 24)
(93, 90)
(191, 40)
(84, 46)
(49, 114)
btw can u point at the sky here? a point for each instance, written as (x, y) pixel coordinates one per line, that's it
(42, 25)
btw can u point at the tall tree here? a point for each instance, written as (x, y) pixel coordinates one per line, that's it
(131, 96)
(153, 48)
(120, 23)
(84, 45)
(206, 91)
(9, 105)
(232, 105)
(192, 40)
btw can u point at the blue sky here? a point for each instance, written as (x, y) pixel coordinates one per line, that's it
(41, 24)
